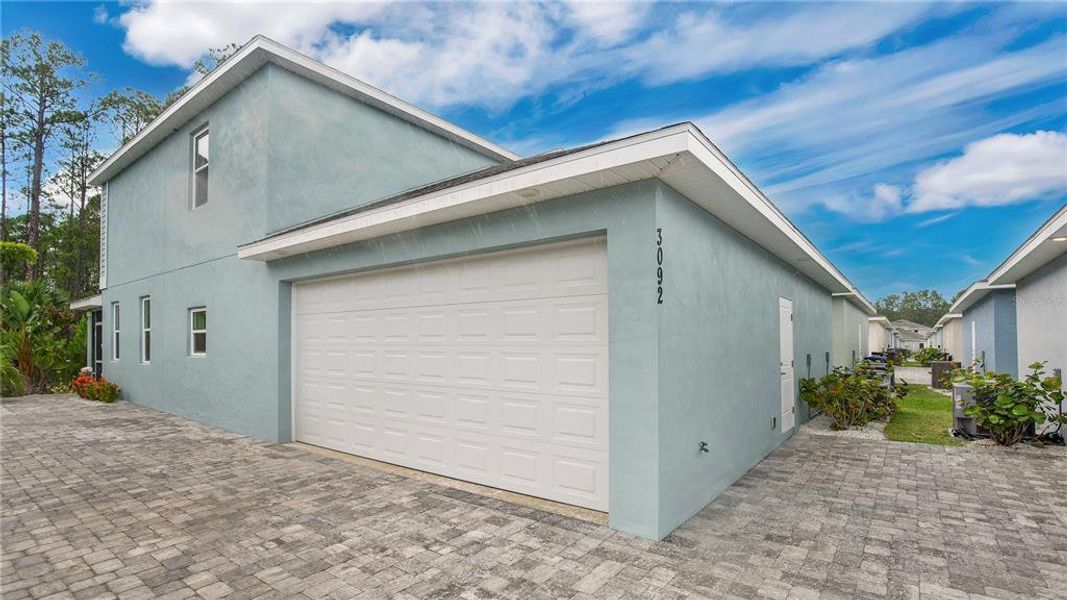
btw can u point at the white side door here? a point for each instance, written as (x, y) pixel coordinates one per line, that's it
(785, 327)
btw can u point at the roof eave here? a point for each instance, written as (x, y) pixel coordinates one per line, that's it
(1038, 250)
(974, 293)
(681, 149)
(90, 303)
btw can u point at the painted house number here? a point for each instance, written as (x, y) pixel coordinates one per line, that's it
(659, 265)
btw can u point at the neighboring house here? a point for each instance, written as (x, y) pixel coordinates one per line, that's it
(948, 336)
(881, 334)
(1038, 270)
(911, 335)
(988, 327)
(851, 329)
(294, 255)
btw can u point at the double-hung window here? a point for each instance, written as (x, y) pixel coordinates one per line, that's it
(146, 330)
(114, 331)
(201, 164)
(198, 331)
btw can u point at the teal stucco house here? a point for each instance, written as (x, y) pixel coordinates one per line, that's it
(294, 255)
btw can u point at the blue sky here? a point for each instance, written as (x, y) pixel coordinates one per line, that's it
(916, 144)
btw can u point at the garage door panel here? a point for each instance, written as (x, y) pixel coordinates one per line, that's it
(490, 368)
(560, 420)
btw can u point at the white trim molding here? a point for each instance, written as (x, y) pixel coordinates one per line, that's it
(90, 303)
(680, 156)
(1041, 248)
(859, 301)
(974, 293)
(103, 235)
(946, 318)
(254, 54)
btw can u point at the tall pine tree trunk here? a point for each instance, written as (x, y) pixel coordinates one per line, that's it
(33, 237)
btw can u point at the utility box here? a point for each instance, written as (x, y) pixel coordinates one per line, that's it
(962, 397)
(940, 371)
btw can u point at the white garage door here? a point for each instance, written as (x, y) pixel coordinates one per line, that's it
(491, 369)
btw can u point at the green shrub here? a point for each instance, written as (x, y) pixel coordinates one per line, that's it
(41, 337)
(928, 355)
(850, 399)
(1008, 408)
(10, 378)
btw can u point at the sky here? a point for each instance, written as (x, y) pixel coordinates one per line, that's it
(916, 144)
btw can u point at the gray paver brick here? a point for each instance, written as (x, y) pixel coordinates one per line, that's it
(99, 501)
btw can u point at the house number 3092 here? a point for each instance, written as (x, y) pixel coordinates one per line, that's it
(659, 265)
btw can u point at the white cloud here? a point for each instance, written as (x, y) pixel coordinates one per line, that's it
(701, 43)
(885, 201)
(851, 123)
(608, 23)
(177, 33)
(493, 54)
(854, 117)
(1003, 169)
(935, 220)
(100, 15)
(463, 58)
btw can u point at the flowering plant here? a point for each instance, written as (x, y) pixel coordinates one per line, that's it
(81, 384)
(91, 388)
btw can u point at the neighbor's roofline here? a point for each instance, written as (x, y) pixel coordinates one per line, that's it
(677, 140)
(261, 50)
(1044, 233)
(975, 292)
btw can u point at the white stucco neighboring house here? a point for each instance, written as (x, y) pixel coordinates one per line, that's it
(948, 336)
(881, 334)
(911, 335)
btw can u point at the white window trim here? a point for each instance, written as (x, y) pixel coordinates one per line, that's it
(144, 330)
(115, 331)
(193, 331)
(196, 170)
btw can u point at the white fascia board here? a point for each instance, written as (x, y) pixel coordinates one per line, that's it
(89, 303)
(974, 293)
(946, 318)
(883, 321)
(1038, 250)
(858, 300)
(501, 191)
(246, 61)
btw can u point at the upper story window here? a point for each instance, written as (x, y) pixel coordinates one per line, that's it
(201, 165)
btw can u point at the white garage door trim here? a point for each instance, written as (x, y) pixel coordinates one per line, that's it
(491, 368)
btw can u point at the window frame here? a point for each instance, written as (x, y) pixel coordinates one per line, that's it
(193, 331)
(200, 132)
(116, 330)
(146, 331)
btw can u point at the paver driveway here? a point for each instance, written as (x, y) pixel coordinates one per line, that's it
(120, 500)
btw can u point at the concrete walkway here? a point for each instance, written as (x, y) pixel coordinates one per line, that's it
(120, 501)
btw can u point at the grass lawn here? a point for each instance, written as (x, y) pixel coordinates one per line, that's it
(923, 416)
